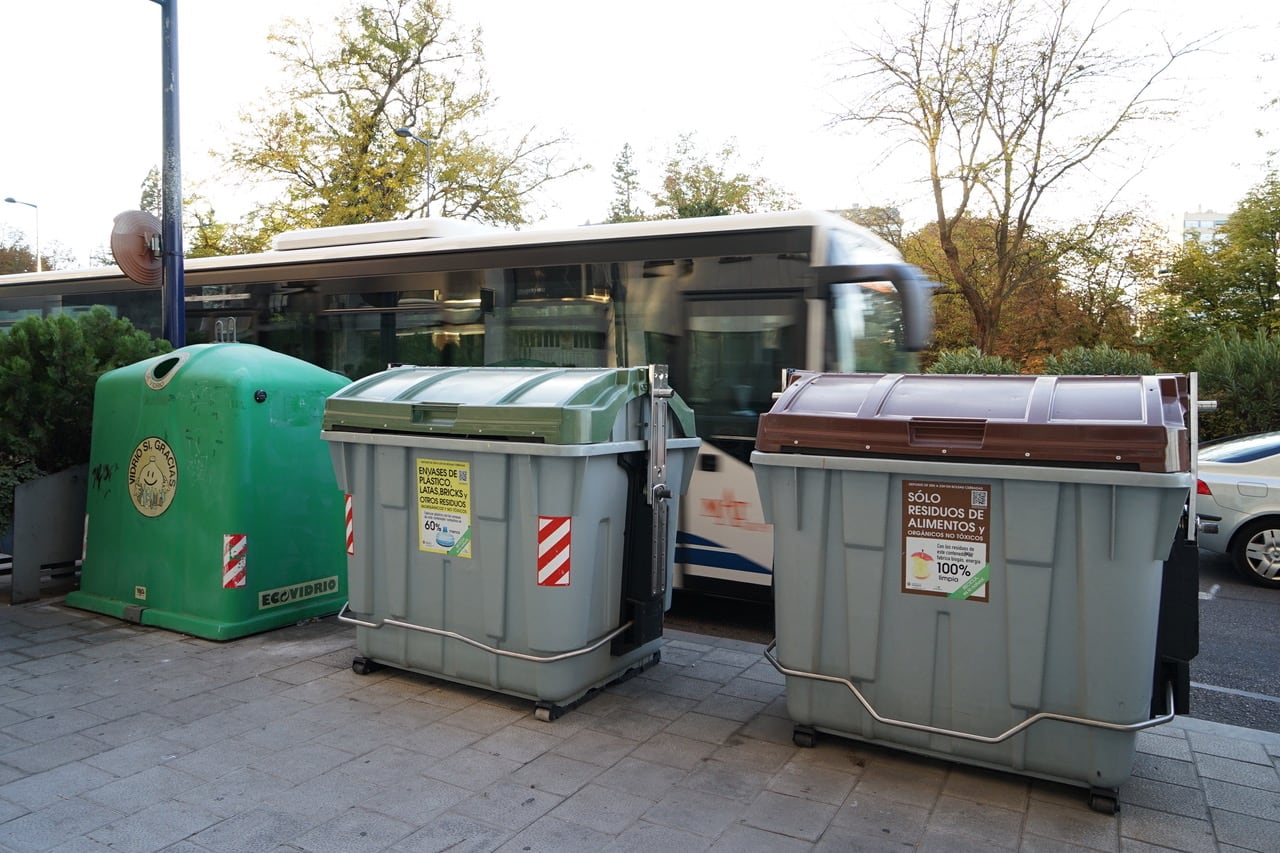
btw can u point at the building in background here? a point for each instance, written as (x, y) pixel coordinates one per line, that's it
(1202, 225)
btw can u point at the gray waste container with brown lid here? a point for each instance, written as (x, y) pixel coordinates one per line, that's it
(970, 566)
(501, 531)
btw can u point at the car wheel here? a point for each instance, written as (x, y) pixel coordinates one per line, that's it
(1256, 552)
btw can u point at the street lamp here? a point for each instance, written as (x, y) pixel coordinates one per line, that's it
(39, 263)
(407, 133)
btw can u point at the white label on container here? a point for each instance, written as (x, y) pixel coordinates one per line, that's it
(444, 507)
(946, 539)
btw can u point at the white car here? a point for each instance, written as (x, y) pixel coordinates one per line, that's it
(1238, 504)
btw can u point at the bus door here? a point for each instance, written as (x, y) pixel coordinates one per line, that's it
(736, 344)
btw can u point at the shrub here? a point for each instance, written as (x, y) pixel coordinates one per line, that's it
(1102, 360)
(972, 360)
(48, 369)
(1241, 375)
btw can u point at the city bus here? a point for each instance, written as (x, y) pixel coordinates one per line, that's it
(728, 303)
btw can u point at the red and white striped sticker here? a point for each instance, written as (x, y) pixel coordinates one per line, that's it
(351, 530)
(235, 560)
(553, 550)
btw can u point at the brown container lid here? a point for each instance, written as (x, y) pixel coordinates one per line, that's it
(1126, 422)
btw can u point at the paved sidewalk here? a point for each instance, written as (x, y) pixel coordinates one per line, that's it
(126, 738)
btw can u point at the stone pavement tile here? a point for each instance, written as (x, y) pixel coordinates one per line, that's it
(439, 739)
(748, 839)
(154, 828)
(708, 671)
(686, 687)
(259, 830)
(763, 692)
(38, 790)
(755, 754)
(696, 811)
(385, 762)
(840, 839)
(557, 774)
(980, 822)
(1160, 769)
(204, 709)
(455, 833)
(323, 795)
(729, 707)
(737, 659)
(629, 724)
(54, 726)
(987, 787)
(768, 728)
(728, 780)
(674, 750)
(299, 673)
(31, 705)
(1238, 772)
(507, 805)
(697, 726)
(9, 810)
(1166, 830)
(944, 839)
(212, 761)
(133, 793)
(834, 753)
(40, 830)
(907, 780)
(646, 837)
(604, 810)
(550, 834)
(1242, 799)
(48, 755)
(664, 706)
(126, 729)
(1072, 822)
(794, 817)
(238, 791)
(414, 801)
(600, 748)
(883, 819)
(642, 778)
(469, 768)
(485, 717)
(298, 764)
(1248, 832)
(355, 830)
(1032, 843)
(137, 756)
(521, 745)
(1164, 797)
(813, 782)
(1164, 741)
(1205, 743)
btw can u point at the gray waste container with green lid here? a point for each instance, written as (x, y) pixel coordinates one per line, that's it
(970, 567)
(510, 525)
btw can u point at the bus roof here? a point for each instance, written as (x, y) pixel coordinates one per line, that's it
(403, 237)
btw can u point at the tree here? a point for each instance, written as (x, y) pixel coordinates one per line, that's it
(699, 184)
(326, 136)
(1004, 105)
(626, 189)
(885, 222)
(15, 255)
(1223, 287)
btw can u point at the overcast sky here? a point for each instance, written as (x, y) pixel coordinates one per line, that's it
(82, 109)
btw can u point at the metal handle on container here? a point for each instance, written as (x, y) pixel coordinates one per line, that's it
(440, 632)
(935, 730)
(659, 492)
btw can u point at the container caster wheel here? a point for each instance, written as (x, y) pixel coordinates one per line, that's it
(1104, 801)
(547, 713)
(804, 736)
(364, 666)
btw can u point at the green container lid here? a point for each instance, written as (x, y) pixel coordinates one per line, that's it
(538, 404)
